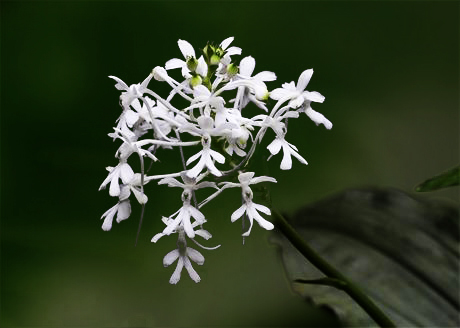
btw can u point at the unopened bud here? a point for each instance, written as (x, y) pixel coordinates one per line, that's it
(232, 70)
(215, 59)
(208, 51)
(196, 80)
(219, 52)
(192, 63)
(159, 73)
(264, 96)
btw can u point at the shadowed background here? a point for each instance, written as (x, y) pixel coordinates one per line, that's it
(389, 72)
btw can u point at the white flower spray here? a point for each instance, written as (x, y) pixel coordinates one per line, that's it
(224, 140)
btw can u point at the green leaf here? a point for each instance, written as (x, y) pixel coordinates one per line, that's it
(400, 250)
(447, 179)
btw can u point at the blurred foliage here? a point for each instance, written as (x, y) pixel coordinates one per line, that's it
(449, 178)
(402, 251)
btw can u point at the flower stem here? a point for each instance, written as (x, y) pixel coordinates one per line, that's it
(341, 282)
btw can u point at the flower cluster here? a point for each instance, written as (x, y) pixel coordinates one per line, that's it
(217, 90)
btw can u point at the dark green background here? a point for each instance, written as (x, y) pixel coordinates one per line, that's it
(389, 71)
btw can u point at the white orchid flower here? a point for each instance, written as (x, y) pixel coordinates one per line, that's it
(251, 209)
(244, 95)
(183, 258)
(183, 216)
(180, 229)
(232, 50)
(183, 255)
(122, 171)
(132, 92)
(122, 209)
(188, 52)
(316, 117)
(203, 98)
(296, 94)
(288, 151)
(206, 156)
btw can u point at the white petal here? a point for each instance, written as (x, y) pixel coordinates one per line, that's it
(186, 72)
(211, 167)
(251, 221)
(245, 177)
(194, 157)
(114, 189)
(262, 179)
(232, 51)
(186, 48)
(171, 182)
(206, 184)
(203, 233)
(124, 210)
(109, 214)
(286, 163)
(275, 146)
(297, 101)
(292, 146)
(265, 76)
(176, 274)
(156, 237)
(195, 256)
(193, 172)
(146, 82)
(120, 84)
(191, 271)
(171, 257)
(107, 180)
(202, 67)
(224, 44)
(188, 226)
(196, 214)
(217, 156)
(126, 173)
(131, 117)
(141, 198)
(318, 118)
(290, 87)
(262, 208)
(313, 96)
(300, 158)
(267, 225)
(291, 115)
(260, 89)
(175, 63)
(279, 93)
(125, 192)
(205, 122)
(172, 224)
(247, 66)
(304, 78)
(238, 213)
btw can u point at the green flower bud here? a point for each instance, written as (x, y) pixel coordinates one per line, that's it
(265, 96)
(215, 59)
(207, 83)
(208, 51)
(196, 80)
(219, 52)
(192, 63)
(232, 70)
